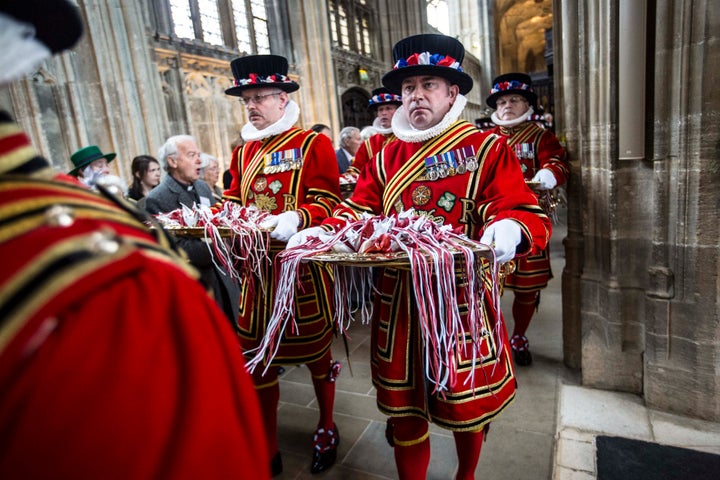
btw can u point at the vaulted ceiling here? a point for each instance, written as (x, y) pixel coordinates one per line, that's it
(520, 27)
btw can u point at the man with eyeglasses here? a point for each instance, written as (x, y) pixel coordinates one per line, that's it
(292, 174)
(544, 165)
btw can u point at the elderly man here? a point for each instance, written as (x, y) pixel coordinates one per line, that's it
(383, 103)
(350, 141)
(484, 195)
(292, 174)
(115, 362)
(543, 162)
(92, 168)
(180, 157)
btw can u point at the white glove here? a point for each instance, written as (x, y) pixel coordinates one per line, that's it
(503, 236)
(285, 225)
(545, 178)
(303, 235)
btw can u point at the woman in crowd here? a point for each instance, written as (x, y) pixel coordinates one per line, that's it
(146, 176)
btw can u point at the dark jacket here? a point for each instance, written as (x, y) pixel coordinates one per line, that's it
(343, 160)
(169, 196)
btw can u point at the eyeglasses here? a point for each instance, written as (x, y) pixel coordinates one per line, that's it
(257, 99)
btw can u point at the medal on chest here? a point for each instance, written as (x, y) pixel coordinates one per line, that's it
(524, 151)
(283, 161)
(260, 183)
(451, 163)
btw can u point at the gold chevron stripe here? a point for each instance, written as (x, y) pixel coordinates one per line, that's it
(415, 166)
(258, 160)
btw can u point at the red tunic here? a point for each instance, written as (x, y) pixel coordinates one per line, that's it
(397, 179)
(368, 150)
(312, 188)
(114, 361)
(535, 148)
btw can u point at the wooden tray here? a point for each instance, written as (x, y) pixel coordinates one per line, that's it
(196, 232)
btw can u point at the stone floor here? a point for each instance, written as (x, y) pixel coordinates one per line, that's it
(547, 433)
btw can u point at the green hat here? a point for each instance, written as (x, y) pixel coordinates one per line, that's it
(86, 156)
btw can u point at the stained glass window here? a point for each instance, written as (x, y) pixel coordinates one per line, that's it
(249, 21)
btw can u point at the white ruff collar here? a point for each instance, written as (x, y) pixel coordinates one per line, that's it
(514, 121)
(384, 131)
(289, 118)
(407, 133)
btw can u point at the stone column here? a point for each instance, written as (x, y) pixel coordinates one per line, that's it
(311, 40)
(568, 95)
(682, 309)
(488, 47)
(606, 217)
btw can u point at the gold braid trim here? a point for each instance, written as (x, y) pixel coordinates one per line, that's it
(410, 443)
(61, 279)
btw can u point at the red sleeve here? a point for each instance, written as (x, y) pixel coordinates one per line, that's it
(233, 192)
(368, 192)
(552, 155)
(505, 195)
(321, 182)
(361, 158)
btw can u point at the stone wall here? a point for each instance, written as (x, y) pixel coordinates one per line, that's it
(640, 289)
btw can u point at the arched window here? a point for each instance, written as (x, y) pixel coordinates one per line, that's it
(437, 15)
(352, 25)
(237, 24)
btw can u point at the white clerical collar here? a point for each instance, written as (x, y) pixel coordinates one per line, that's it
(514, 121)
(404, 131)
(379, 129)
(289, 118)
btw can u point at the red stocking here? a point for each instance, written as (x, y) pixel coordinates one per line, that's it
(268, 390)
(523, 308)
(324, 389)
(468, 445)
(412, 447)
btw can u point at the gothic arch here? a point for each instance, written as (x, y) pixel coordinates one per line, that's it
(355, 112)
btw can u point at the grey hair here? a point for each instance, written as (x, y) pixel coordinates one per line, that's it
(170, 148)
(346, 134)
(205, 160)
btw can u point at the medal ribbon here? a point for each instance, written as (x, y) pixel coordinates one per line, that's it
(415, 166)
(258, 160)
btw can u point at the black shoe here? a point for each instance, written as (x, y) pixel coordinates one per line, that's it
(389, 432)
(522, 358)
(521, 350)
(324, 456)
(276, 467)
